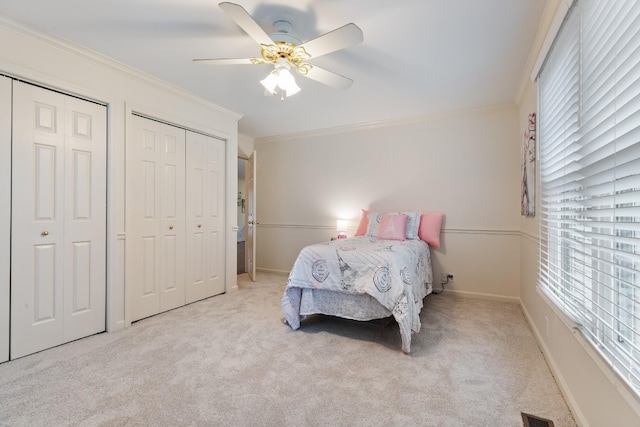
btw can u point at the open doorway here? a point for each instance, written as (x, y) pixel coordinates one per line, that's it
(242, 257)
(247, 221)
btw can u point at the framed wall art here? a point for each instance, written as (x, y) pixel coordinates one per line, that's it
(528, 169)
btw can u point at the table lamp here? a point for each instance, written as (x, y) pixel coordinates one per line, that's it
(342, 228)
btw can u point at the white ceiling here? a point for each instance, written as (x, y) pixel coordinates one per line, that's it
(418, 56)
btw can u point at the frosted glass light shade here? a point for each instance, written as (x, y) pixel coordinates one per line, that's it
(286, 82)
(281, 78)
(270, 82)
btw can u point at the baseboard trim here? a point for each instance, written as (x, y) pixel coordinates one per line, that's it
(272, 271)
(479, 295)
(557, 373)
(617, 382)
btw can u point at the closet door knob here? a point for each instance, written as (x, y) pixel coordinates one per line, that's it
(171, 227)
(45, 233)
(199, 225)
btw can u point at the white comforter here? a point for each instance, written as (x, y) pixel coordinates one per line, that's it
(396, 273)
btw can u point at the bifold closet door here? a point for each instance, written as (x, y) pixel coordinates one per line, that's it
(205, 164)
(5, 213)
(58, 244)
(156, 178)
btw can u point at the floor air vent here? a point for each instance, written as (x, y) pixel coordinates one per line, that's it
(533, 421)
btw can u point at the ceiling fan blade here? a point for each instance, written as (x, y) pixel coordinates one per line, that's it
(241, 17)
(329, 78)
(337, 39)
(229, 61)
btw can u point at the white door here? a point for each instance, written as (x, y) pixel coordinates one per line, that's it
(196, 269)
(58, 262)
(172, 219)
(250, 239)
(5, 213)
(215, 197)
(205, 216)
(156, 170)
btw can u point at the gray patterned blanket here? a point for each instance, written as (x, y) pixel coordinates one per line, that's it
(396, 273)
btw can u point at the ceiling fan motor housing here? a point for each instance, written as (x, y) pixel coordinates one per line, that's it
(283, 33)
(286, 47)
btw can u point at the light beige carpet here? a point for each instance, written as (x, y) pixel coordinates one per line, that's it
(230, 361)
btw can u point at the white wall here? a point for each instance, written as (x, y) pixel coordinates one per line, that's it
(72, 69)
(245, 146)
(464, 164)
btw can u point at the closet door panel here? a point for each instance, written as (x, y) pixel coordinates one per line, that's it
(37, 276)
(58, 258)
(173, 218)
(205, 216)
(215, 197)
(5, 213)
(85, 219)
(195, 210)
(157, 179)
(143, 175)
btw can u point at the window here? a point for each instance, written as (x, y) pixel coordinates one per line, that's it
(589, 136)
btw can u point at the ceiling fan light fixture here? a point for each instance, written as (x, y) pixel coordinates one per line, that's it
(282, 78)
(270, 82)
(287, 82)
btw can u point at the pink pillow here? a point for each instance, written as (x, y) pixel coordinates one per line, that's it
(364, 223)
(429, 230)
(392, 227)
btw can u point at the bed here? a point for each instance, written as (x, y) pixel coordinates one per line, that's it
(366, 277)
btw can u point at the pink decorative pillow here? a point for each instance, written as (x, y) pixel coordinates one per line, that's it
(364, 223)
(430, 228)
(392, 227)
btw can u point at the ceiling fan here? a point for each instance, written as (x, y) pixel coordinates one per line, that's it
(286, 52)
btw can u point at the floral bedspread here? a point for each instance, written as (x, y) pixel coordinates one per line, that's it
(396, 273)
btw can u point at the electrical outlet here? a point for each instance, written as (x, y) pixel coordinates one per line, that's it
(446, 277)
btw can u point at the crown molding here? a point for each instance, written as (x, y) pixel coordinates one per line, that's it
(84, 53)
(423, 118)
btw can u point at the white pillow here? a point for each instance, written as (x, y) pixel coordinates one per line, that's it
(413, 225)
(374, 221)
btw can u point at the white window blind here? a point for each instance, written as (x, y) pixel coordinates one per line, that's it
(589, 135)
